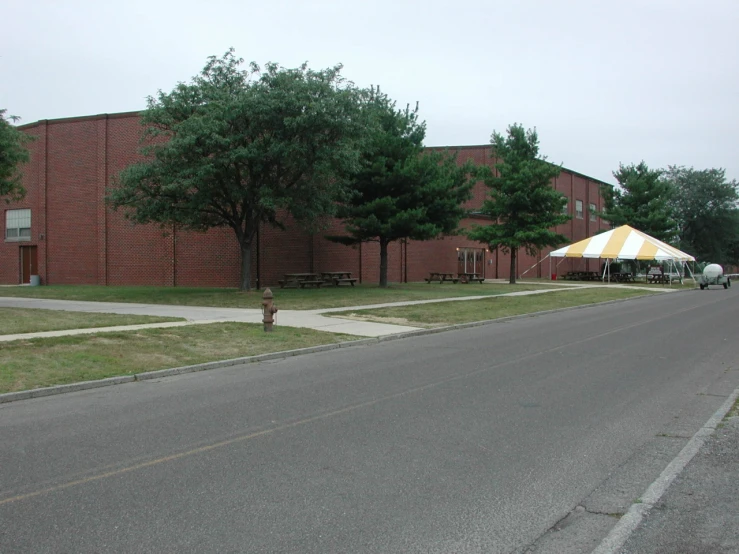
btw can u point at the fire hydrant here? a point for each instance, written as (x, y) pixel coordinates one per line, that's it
(268, 310)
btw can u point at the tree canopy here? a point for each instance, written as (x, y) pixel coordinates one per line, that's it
(642, 200)
(236, 148)
(706, 208)
(400, 191)
(13, 153)
(521, 203)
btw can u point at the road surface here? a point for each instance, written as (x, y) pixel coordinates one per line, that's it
(487, 439)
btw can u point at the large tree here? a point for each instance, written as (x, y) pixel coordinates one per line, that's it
(706, 207)
(522, 203)
(13, 153)
(642, 200)
(236, 148)
(400, 191)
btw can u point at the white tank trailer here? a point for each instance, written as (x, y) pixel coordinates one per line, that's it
(713, 274)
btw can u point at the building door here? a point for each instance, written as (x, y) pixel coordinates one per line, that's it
(29, 263)
(471, 260)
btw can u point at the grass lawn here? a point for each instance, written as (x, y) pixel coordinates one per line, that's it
(447, 313)
(29, 364)
(24, 320)
(288, 299)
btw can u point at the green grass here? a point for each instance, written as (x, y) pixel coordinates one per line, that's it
(447, 313)
(25, 320)
(734, 411)
(288, 299)
(29, 364)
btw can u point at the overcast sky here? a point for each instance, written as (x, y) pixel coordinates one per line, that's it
(603, 81)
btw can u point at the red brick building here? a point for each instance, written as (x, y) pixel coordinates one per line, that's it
(64, 232)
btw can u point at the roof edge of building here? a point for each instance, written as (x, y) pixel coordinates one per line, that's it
(118, 115)
(478, 146)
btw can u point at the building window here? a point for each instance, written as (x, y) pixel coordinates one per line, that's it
(592, 210)
(578, 209)
(18, 225)
(566, 208)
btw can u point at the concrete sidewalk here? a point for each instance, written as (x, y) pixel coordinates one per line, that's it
(313, 319)
(196, 315)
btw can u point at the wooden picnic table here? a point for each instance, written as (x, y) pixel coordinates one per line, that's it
(623, 277)
(662, 278)
(337, 278)
(583, 276)
(467, 277)
(441, 276)
(301, 280)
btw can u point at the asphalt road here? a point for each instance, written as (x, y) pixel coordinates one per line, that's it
(529, 435)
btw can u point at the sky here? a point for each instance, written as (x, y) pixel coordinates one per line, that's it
(604, 82)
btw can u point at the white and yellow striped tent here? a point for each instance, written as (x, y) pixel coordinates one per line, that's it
(624, 243)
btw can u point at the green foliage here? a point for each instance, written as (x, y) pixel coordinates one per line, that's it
(522, 203)
(706, 207)
(236, 148)
(400, 191)
(13, 153)
(643, 201)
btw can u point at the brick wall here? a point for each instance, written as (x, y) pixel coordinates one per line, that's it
(81, 240)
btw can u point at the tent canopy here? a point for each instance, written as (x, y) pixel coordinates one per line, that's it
(624, 243)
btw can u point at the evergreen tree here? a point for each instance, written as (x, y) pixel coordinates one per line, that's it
(522, 204)
(400, 191)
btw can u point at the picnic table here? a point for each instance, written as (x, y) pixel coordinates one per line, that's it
(441, 276)
(624, 277)
(662, 278)
(467, 277)
(301, 280)
(336, 278)
(583, 275)
(620, 277)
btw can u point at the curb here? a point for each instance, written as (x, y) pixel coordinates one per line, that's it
(156, 374)
(631, 520)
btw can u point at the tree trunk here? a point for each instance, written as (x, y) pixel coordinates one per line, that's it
(245, 236)
(512, 278)
(245, 266)
(383, 263)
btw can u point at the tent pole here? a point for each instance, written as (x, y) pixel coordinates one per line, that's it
(550, 267)
(692, 274)
(537, 263)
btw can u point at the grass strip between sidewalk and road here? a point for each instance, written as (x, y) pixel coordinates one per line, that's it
(15, 321)
(34, 363)
(288, 299)
(449, 313)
